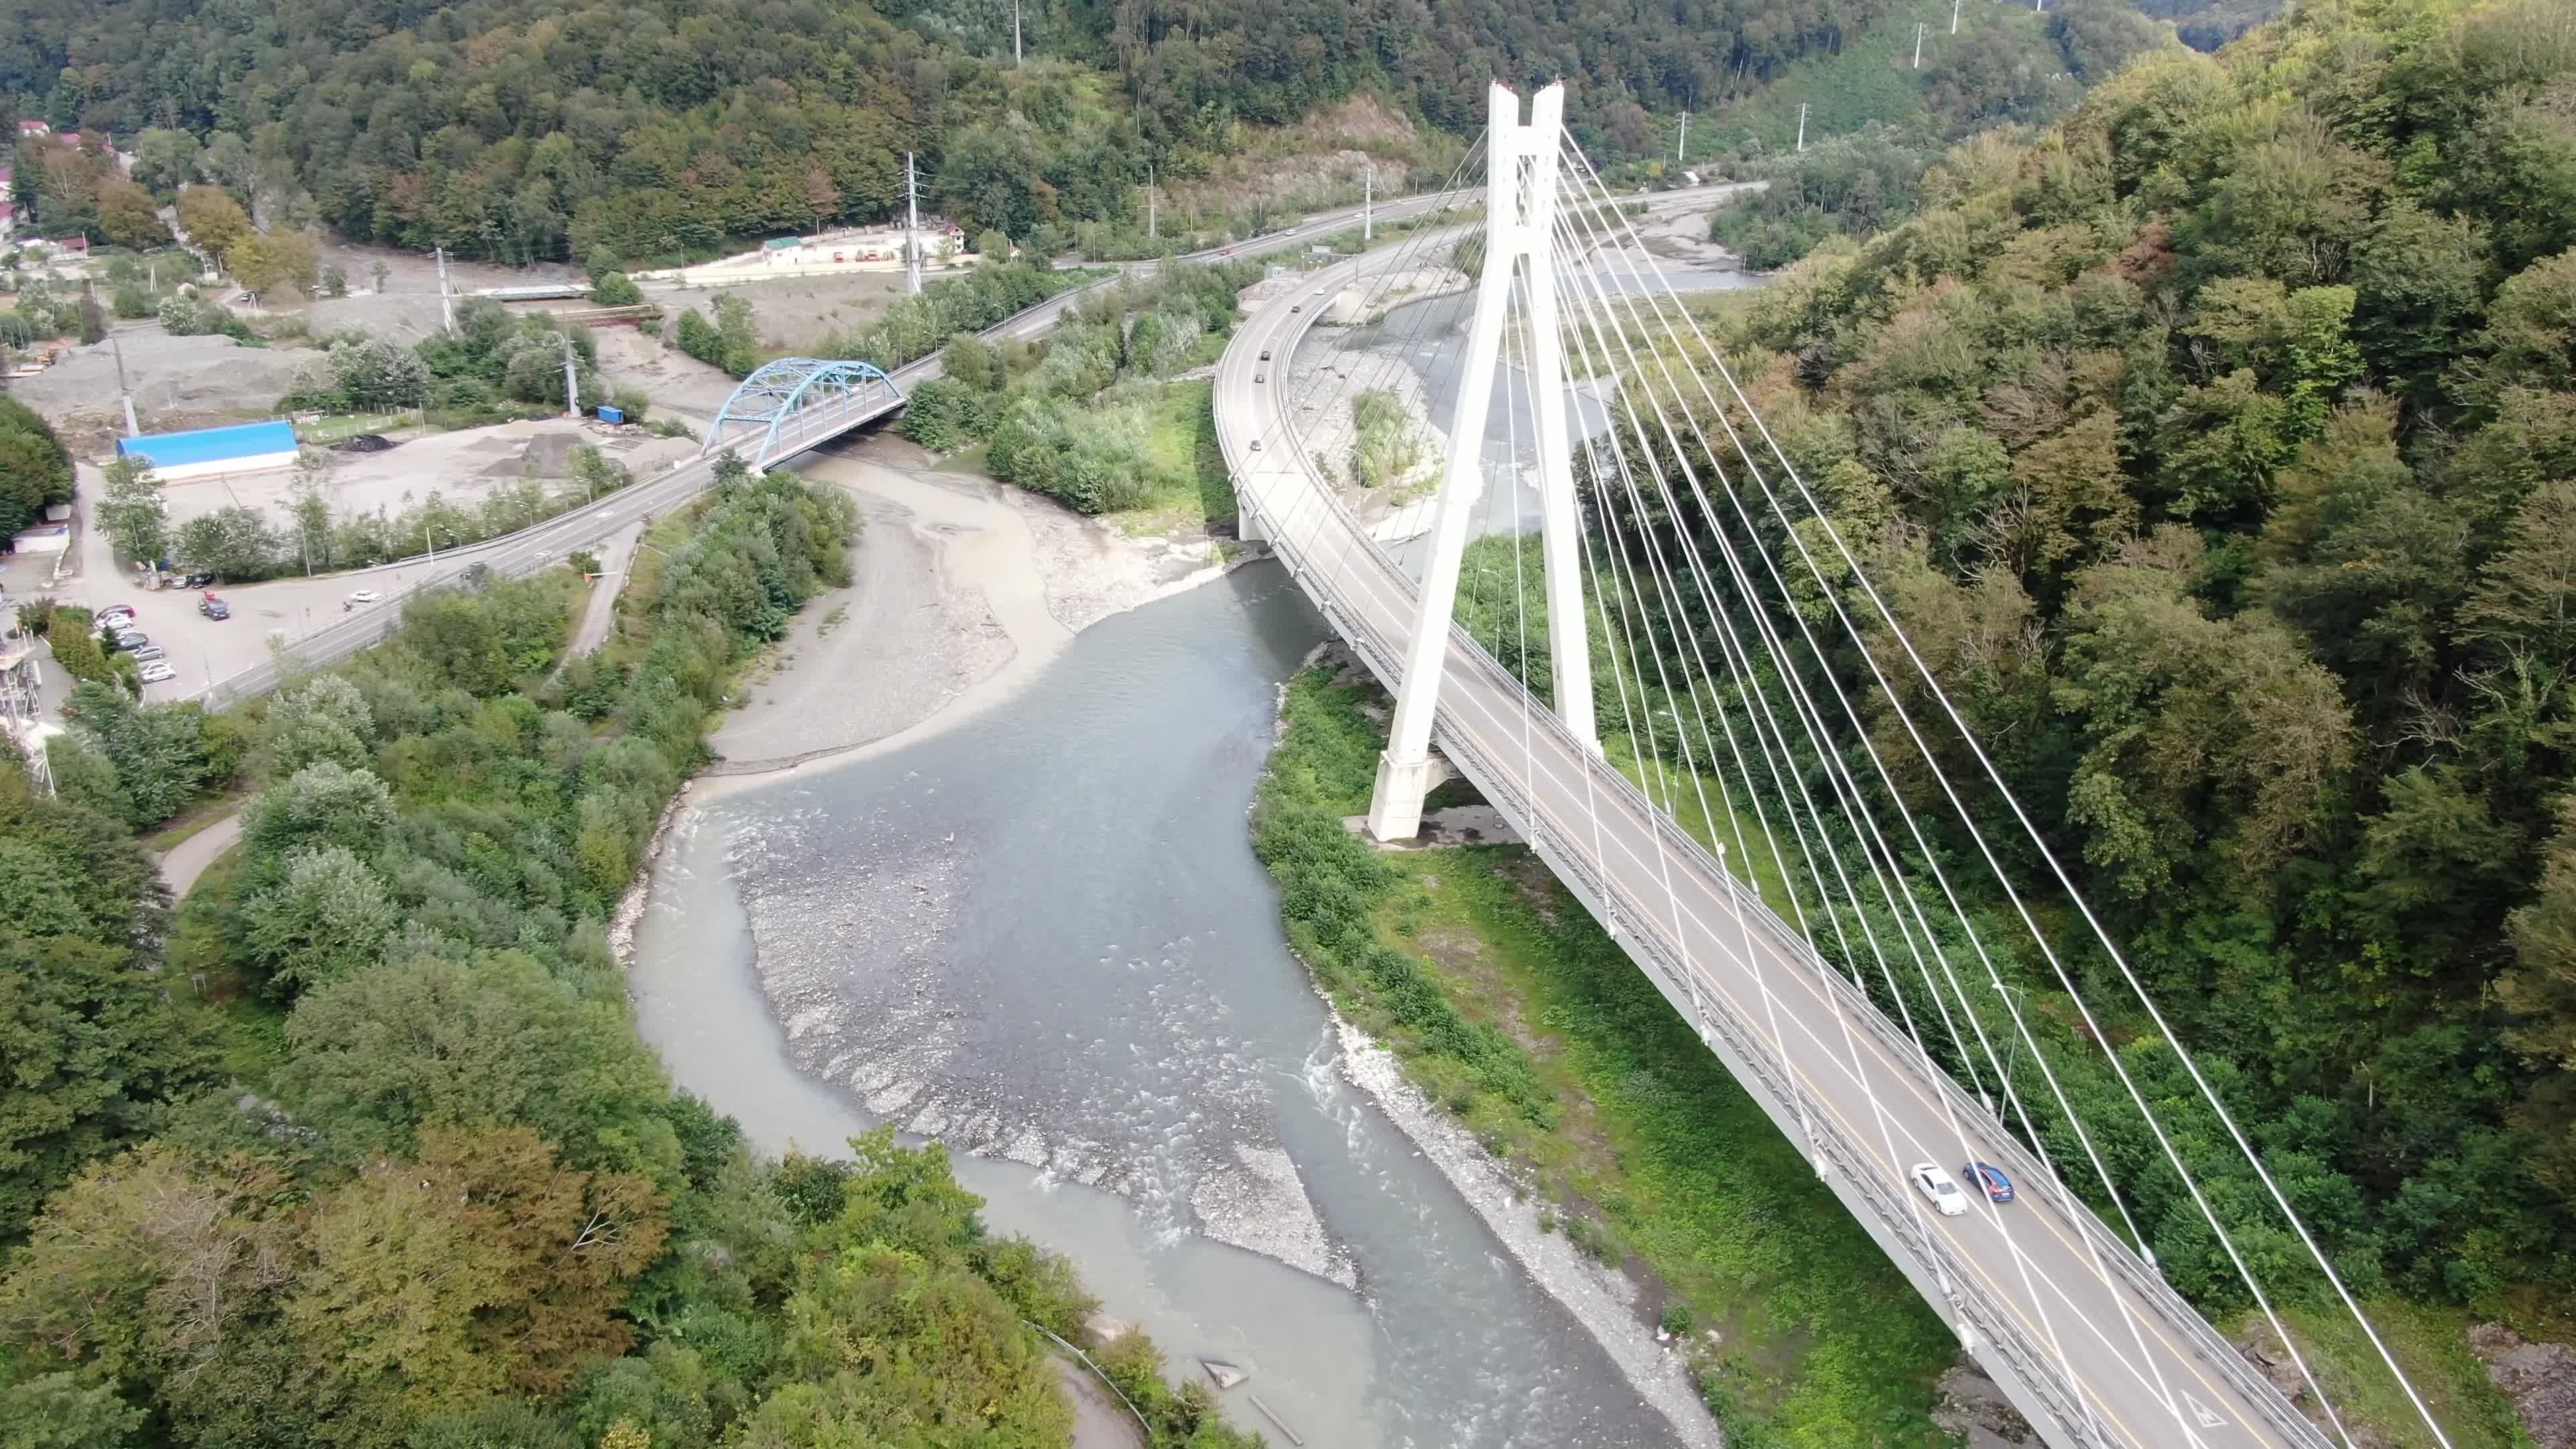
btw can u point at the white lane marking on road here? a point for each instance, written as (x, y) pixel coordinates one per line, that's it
(2209, 1418)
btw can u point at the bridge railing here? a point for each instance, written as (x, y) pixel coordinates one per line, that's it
(1987, 1322)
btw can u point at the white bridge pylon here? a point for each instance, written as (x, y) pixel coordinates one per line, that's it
(1520, 224)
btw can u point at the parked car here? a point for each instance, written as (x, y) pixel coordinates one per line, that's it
(1940, 1187)
(129, 642)
(365, 596)
(196, 581)
(114, 612)
(148, 653)
(1998, 1187)
(157, 671)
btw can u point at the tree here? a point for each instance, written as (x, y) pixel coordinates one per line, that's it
(164, 160)
(328, 916)
(265, 261)
(213, 221)
(422, 1039)
(378, 272)
(232, 543)
(335, 281)
(65, 1411)
(90, 1049)
(2178, 711)
(78, 652)
(2527, 600)
(128, 217)
(320, 800)
(35, 467)
(227, 162)
(132, 508)
(158, 750)
(371, 373)
(309, 504)
(479, 1267)
(615, 289)
(66, 192)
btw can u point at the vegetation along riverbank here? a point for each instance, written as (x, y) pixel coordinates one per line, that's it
(363, 1150)
(1509, 1006)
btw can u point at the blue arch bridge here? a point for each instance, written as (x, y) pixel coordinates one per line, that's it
(789, 405)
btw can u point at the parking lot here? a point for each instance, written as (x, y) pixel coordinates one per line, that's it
(198, 649)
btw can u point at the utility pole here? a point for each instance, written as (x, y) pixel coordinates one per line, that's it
(1954, 16)
(911, 225)
(572, 383)
(446, 295)
(1015, 32)
(124, 393)
(1918, 43)
(1153, 229)
(1802, 125)
(1681, 148)
(1368, 204)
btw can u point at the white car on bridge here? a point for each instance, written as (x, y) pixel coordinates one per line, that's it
(1940, 1187)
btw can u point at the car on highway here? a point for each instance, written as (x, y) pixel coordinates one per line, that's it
(1986, 1175)
(1296, 306)
(1261, 377)
(1256, 445)
(366, 596)
(1940, 1187)
(1265, 354)
(157, 671)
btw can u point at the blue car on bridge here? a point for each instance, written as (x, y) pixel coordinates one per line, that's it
(1998, 1187)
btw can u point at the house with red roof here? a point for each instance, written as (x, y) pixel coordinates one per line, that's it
(34, 128)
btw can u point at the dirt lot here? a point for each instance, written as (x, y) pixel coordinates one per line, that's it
(795, 313)
(407, 310)
(211, 375)
(461, 466)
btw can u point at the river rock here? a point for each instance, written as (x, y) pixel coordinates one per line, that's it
(2540, 1379)
(1225, 1374)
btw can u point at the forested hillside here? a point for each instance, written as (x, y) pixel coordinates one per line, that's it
(2218, 448)
(519, 130)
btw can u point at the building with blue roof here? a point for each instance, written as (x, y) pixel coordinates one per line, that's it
(207, 452)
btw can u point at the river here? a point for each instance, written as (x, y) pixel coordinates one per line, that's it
(1041, 935)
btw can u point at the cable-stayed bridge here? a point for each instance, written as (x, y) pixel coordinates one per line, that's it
(1588, 403)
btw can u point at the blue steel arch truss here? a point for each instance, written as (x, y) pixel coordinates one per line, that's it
(767, 407)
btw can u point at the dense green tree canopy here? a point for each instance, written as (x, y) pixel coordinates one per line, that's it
(2219, 447)
(525, 131)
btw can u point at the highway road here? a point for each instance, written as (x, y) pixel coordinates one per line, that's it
(2087, 1341)
(530, 549)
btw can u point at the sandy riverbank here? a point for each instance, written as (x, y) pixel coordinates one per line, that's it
(963, 588)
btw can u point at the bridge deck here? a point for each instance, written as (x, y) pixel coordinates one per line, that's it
(2088, 1342)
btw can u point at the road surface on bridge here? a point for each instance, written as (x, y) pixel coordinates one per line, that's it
(2046, 1296)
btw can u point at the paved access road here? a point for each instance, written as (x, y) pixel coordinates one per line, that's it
(2049, 1297)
